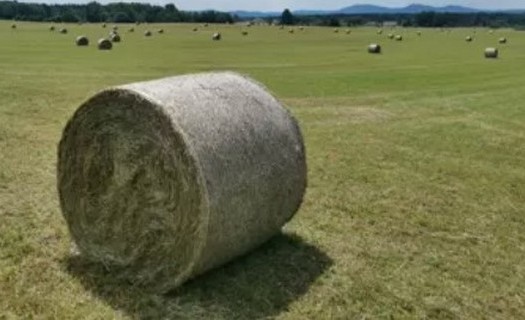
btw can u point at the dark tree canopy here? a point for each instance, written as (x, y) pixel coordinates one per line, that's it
(287, 17)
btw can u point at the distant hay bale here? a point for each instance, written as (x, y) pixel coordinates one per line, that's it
(502, 40)
(205, 25)
(348, 31)
(131, 29)
(491, 53)
(115, 37)
(244, 33)
(281, 27)
(195, 29)
(160, 31)
(336, 30)
(380, 31)
(166, 179)
(147, 33)
(216, 36)
(63, 31)
(374, 48)
(103, 25)
(82, 41)
(115, 28)
(390, 36)
(399, 37)
(301, 28)
(104, 44)
(468, 38)
(291, 30)
(419, 33)
(52, 28)
(13, 26)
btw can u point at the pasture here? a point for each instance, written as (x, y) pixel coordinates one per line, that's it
(415, 207)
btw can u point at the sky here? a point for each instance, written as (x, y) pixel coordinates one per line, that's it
(279, 5)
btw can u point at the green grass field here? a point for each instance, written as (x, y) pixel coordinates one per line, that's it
(416, 201)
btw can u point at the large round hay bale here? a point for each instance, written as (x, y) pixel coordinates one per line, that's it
(52, 28)
(147, 33)
(115, 37)
(390, 36)
(115, 27)
(160, 31)
(216, 36)
(502, 40)
(169, 178)
(82, 41)
(131, 29)
(399, 37)
(374, 48)
(63, 31)
(104, 44)
(336, 30)
(468, 38)
(491, 53)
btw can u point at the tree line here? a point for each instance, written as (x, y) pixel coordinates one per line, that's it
(113, 12)
(424, 19)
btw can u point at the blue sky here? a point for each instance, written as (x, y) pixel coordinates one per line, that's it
(278, 5)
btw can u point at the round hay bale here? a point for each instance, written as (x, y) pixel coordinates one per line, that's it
(502, 40)
(291, 30)
(245, 33)
(205, 25)
(336, 30)
(103, 25)
(374, 48)
(491, 53)
(348, 31)
(104, 44)
(63, 31)
(390, 36)
(115, 37)
(195, 29)
(166, 179)
(216, 36)
(13, 26)
(419, 33)
(131, 29)
(52, 28)
(281, 27)
(115, 28)
(160, 31)
(82, 41)
(380, 32)
(399, 38)
(147, 33)
(468, 38)
(301, 28)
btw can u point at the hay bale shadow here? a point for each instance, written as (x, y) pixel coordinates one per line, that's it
(259, 285)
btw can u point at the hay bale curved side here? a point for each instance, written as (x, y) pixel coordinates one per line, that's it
(374, 48)
(169, 178)
(82, 41)
(491, 53)
(104, 44)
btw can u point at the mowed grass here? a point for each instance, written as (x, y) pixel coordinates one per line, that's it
(416, 201)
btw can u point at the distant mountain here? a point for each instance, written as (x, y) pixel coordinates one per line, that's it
(363, 9)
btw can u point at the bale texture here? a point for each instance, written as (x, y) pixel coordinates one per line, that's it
(82, 41)
(374, 48)
(166, 179)
(104, 44)
(491, 53)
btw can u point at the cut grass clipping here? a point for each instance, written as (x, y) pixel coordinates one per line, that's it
(166, 179)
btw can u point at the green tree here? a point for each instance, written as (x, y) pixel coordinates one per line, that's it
(287, 17)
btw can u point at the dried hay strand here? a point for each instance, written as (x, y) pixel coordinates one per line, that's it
(166, 179)
(374, 48)
(491, 53)
(104, 44)
(82, 41)
(216, 36)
